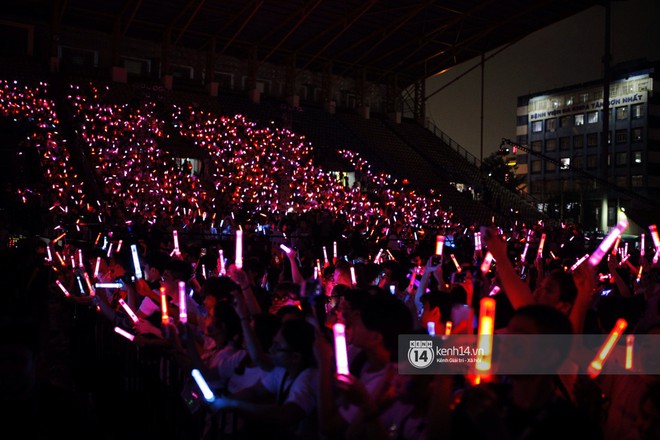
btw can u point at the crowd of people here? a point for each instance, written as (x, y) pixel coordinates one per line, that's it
(120, 308)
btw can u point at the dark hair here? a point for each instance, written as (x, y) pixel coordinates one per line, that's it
(440, 300)
(181, 270)
(548, 320)
(567, 288)
(388, 316)
(225, 315)
(219, 287)
(299, 336)
(156, 259)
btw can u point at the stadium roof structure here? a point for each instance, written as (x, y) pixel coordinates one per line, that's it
(371, 39)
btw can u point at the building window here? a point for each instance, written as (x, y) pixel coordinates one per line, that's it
(592, 117)
(621, 158)
(579, 119)
(578, 141)
(551, 125)
(621, 181)
(536, 146)
(537, 126)
(550, 166)
(536, 166)
(565, 121)
(537, 186)
(578, 162)
(564, 143)
(592, 140)
(637, 157)
(592, 161)
(551, 186)
(637, 111)
(637, 181)
(565, 163)
(621, 113)
(621, 136)
(636, 134)
(550, 145)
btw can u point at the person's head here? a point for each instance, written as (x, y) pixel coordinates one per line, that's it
(380, 321)
(175, 270)
(285, 293)
(292, 346)
(153, 264)
(225, 326)
(558, 290)
(531, 353)
(342, 273)
(436, 308)
(217, 289)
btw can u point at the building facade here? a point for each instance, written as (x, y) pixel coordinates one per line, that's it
(582, 167)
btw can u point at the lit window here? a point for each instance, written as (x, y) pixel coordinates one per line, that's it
(637, 111)
(621, 113)
(637, 157)
(537, 126)
(579, 119)
(592, 117)
(565, 163)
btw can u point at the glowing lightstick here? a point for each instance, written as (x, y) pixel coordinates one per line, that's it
(49, 255)
(334, 250)
(598, 254)
(539, 254)
(615, 248)
(578, 262)
(96, 267)
(316, 272)
(430, 328)
(238, 259)
(341, 354)
(128, 310)
(61, 286)
(655, 236)
(124, 333)
(630, 344)
(286, 249)
(136, 262)
(477, 241)
(183, 310)
(221, 263)
(353, 277)
(458, 266)
(494, 291)
(59, 257)
(109, 253)
(325, 256)
(203, 385)
(164, 317)
(524, 252)
(92, 292)
(485, 330)
(485, 265)
(109, 285)
(448, 326)
(80, 259)
(439, 244)
(98, 237)
(204, 271)
(119, 246)
(639, 274)
(175, 239)
(642, 245)
(377, 258)
(596, 365)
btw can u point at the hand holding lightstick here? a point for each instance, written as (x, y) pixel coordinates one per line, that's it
(596, 365)
(203, 385)
(607, 242)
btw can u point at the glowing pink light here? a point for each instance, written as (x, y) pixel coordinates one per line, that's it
(341, 353)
